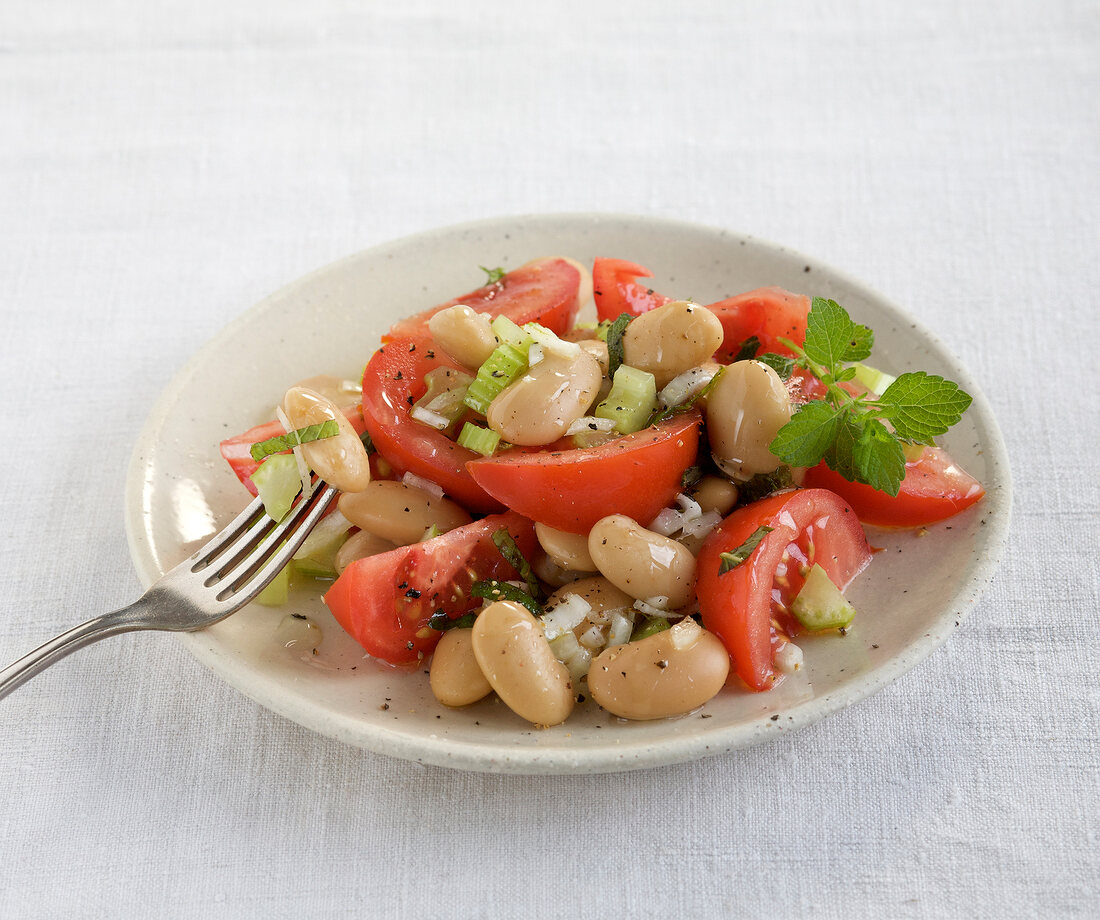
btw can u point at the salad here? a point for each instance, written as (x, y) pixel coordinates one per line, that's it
(647, 510)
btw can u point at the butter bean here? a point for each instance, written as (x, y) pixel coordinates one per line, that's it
(400, 513)
(455, 675)
(671, 339)
(566, 550)
(640, 562)
(666, 674)
(713, 493)
(464, 334)
(513, 654)
(359, 546)
(744, 411)
(341, 461)
(544, 402)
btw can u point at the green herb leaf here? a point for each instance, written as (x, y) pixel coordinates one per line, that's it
(502, 591)
(291, 439)
(691, 476)
(764, 484)
(923, 406)
(748, 349)
(367, 442)
(829, 333)
(878, 457)
(781, 364)
(741, 554)
(441, 622)
(860, 343)
(493, 275)
(508, 548)
(807, 437)
(615, 342)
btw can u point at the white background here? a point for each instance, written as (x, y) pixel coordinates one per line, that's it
(164, 165)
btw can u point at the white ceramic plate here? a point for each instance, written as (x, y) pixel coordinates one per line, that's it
(179, 492)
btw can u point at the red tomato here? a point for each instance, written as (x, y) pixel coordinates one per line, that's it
(810, 525)
(636, 475)
(392, 382)
(543, 291)
(615, 292)
(384, 601)
(768, 313)
(934, 488)
(237, 450)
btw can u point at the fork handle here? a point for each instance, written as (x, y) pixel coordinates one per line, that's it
(125, 619)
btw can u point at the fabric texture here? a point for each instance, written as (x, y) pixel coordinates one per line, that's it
(165, 165)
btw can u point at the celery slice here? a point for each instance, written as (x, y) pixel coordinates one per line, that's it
(632, 399)
(504, 365)
(871, 377)
(276, 593)
(445, 394)
(277, 481)
(482, 440)
(820, 605)
(508, 333)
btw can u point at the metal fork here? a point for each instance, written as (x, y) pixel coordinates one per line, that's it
(219, 579)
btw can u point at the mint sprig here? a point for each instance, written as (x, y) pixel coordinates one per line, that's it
(861, 437)
(284, 442)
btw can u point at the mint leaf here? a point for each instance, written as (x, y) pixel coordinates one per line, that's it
(781, 364)
(748, 349)
(513, 555)
(493, 275)
(859, 343)
(440, 621)
(829, 333)
(878, 457)
(923, 406)
(283, 442)
(740, 555)
(807, 437)
(841, 456)
(494, 590)
(614, 339)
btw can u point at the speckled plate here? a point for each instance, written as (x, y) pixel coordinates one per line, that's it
(179, 492)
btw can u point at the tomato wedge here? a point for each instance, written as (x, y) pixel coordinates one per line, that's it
(237, 450)
(636, 475)
(384, 601)
(768, 313)
(392, 382)
(543, 291)
(809, 525)
(934, 488)
(615, 292)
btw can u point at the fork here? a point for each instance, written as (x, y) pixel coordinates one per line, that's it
(219, 579)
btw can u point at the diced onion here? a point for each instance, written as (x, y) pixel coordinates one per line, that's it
(565, 646)
(546, 339)
(685, 634)
(565, 616)
(593, 638)
(788, 658)
(702, 525)
(419, 482)
(535, 354)
(429, 418)
(622, 625)
(682, 387)
(653, 610)
(303, 467)
(590, 423)
(667, 522)
(578, 663)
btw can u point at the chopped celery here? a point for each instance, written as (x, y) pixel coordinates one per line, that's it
(913, 452)
(508, 333)
(505, 364)
(277, 481)
(482, 440)
(632, 399)
(314, 568)
(276, 593)
(650, 627)
(871, 377)
(820, 605)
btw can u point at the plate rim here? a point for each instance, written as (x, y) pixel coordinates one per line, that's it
(619, 756)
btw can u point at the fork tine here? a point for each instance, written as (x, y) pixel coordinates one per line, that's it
(277, 548)
(232, 555)
(208, 552)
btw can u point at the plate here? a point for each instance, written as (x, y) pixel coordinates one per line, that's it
(179, 492)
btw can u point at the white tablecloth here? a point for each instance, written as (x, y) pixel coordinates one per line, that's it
(164, 165)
